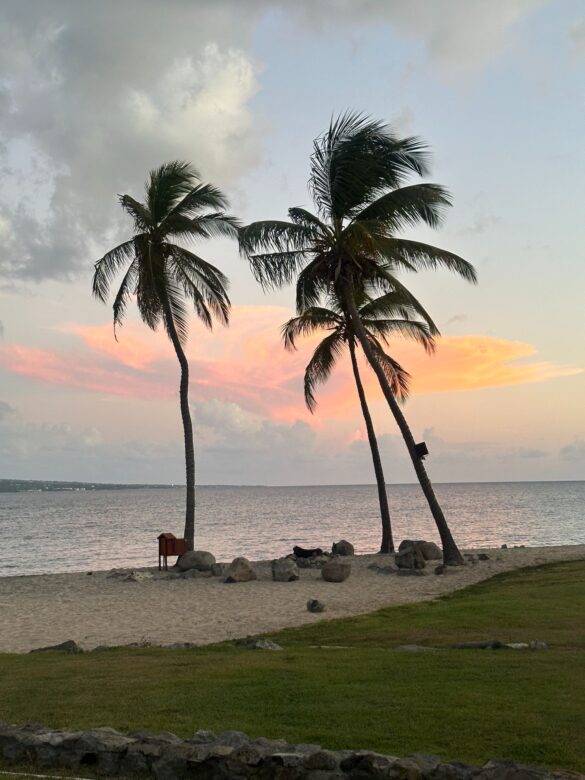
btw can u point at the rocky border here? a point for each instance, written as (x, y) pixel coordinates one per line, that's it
(231, 754)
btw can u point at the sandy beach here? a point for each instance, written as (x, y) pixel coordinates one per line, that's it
(96, 610)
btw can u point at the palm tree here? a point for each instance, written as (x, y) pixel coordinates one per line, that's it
(359, 169)
(164, 276)
(384, 316)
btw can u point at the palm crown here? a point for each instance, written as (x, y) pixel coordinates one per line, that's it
(385, 316)
(358, 171)
(160, 273)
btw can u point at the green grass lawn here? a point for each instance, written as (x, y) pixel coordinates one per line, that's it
(343, 684)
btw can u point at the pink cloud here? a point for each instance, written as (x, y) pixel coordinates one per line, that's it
(246, 364)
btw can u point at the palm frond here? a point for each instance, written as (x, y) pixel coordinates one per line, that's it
(125, 291)
(142, 217)
(167, 186)
(356, 159)
(303, 217)
(311, 320)
(312, 284)
(406, 207)
(320, 366)
(397, 304)
(397, 376)
(178, 310)
(202, 282)
(106, 269)
(427, 257)
(412, 329)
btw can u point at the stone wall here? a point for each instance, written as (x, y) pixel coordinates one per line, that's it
(229, 756)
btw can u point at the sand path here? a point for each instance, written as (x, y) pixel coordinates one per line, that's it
(95, 610)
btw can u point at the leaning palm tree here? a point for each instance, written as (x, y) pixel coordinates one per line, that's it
(164, 275)
(359, 170)
(382, 317)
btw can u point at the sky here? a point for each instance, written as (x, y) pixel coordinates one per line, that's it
(94, 95)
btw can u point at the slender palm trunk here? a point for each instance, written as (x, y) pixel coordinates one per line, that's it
(451, 554)
(189, 533)
(387, 545)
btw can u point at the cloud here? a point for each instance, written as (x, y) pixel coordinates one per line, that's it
(245, 364)
(91, 112)
(574, 451)
(94, 95)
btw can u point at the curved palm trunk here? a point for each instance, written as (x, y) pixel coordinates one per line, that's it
(451, 554)
(387, 545)
(189, 532)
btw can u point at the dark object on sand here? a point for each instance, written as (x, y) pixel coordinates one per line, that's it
(314, 605)
(70, 646)
(302, 552)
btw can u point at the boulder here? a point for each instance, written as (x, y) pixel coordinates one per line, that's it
(336, 571)
(314, 605)
(284, 570)
(218, 569)
(240, 570)
(409, 558)
(429, 550)
(201, 560)
(342, 547)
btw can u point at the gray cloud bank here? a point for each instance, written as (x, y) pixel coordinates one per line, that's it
(237, 447)
(92, 95)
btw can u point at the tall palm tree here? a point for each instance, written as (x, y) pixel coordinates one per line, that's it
(359, 169)
(382, 317)
(164, 276)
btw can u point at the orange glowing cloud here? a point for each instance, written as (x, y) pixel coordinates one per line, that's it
(247, 365)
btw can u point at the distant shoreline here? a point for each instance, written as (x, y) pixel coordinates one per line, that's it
(57, 486)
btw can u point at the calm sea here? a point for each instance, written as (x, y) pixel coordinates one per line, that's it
(77, 531)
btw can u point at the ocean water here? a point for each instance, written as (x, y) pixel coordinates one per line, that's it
(91, 530)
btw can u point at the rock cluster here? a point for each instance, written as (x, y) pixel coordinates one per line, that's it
(230, 754)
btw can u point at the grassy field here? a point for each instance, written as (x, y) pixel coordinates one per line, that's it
(343, 683)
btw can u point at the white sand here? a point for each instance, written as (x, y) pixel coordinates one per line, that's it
(94, 610)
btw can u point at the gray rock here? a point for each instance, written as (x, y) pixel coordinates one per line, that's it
(342, 547)
(69, 646)
(409, 557)
(257, 643)
(504, 547)
(336, 571)
(537, 644)
(321, 759)
(234, 739)
(517, 645)
(201, 560)
(441, 569)
(483, 557)
(284, 570)
(118, 573)
(203, 737)
(240, 570)
(429, 550)
(314, 605)
(218, 569)
(488, 644)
